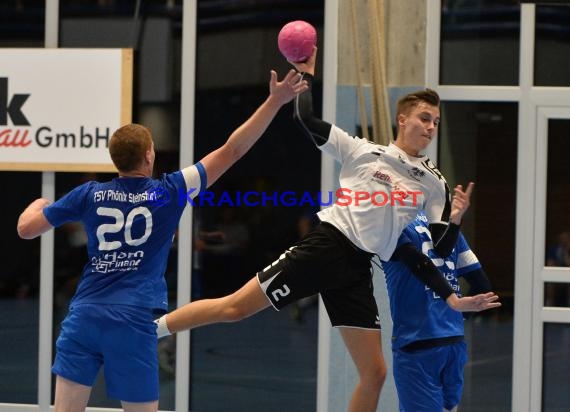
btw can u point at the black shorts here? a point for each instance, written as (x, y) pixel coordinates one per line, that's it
(325, 262)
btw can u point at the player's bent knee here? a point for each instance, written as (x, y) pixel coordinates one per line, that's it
(381, 376)
(376, 376)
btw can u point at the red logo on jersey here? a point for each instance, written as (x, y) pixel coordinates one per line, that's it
(382, 176)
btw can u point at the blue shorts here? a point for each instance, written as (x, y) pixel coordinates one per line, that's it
(428, 380)
(120, 337)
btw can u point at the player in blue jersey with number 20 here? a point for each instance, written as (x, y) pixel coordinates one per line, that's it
(130, 223)
(428, 347)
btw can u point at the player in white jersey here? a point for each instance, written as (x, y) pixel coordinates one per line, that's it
(384, 188)
(130, 222)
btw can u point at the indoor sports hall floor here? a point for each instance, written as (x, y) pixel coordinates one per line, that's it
(231, 372)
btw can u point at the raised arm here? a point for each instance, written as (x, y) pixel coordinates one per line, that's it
(445, 236)
(244, 137)
(303, 113)
(32, 222)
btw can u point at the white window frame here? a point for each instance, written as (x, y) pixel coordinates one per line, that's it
(535, 105)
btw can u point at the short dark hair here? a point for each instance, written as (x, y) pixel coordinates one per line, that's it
(128, 146)
(410, 100)
(428, 96)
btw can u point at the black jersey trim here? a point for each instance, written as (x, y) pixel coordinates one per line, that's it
(430, 167)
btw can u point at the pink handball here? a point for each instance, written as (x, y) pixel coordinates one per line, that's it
(296, 41)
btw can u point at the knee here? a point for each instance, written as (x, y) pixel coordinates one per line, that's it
(380, 374)
(375, 376)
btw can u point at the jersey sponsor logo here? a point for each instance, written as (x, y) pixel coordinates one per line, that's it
(382, 177)
(432, 169)
(117, 261)
(416, 174)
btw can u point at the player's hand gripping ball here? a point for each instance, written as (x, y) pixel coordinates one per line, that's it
(296, 41)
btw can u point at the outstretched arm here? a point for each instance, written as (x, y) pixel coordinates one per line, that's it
(476, 303)
(32, 222)
(244, 137)
(423, 268)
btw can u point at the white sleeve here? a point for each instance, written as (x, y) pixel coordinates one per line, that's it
(436, 204)
(340, 144)
(195, 179)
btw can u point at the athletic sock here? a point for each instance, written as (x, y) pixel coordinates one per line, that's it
(161, 327)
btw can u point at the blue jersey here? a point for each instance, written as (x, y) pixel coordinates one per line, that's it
(417, 312)
(130, 224)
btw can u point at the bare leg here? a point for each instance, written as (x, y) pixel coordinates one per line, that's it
(140, 407)
(70, 396)
(365, 348)
(241, 304)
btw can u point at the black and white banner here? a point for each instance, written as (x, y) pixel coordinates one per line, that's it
(59, 107)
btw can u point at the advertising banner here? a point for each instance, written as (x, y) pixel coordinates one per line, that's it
(59, 107)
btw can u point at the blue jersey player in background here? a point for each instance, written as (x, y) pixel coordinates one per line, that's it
(130, 222)
(428, 346)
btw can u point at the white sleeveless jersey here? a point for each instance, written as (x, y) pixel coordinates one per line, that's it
(382, 189)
